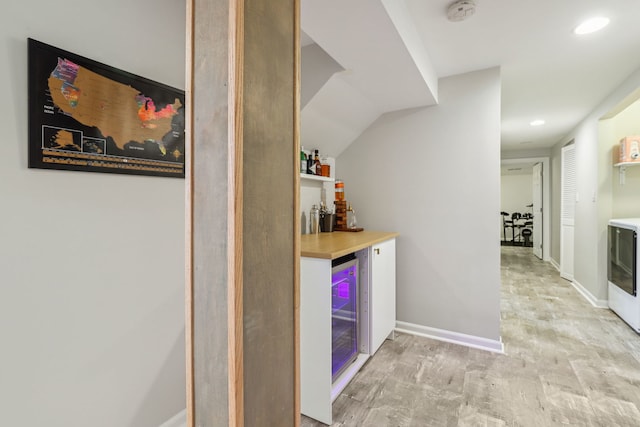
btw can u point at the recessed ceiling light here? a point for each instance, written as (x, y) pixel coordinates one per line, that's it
(591, 25)
(537, 122)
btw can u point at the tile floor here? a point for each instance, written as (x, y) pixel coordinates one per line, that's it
(566, 363)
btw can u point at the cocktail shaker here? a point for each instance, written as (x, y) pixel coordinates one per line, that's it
(314, 220)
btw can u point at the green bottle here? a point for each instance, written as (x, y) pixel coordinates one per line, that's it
(303, 161)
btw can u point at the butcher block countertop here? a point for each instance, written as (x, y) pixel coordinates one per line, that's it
(338, 243)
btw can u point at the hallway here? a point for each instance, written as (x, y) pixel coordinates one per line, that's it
(565, 363)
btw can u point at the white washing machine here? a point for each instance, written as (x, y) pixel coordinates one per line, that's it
(622, 270)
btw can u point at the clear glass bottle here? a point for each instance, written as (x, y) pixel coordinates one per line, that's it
(351, 218)
(314, 220)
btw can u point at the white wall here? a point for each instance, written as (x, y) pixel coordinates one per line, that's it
(594, 174)
(516, 192)
(91, 265)
(525, 154)
(311, 194)
(433, 175)
(316, 67)
(624, 196)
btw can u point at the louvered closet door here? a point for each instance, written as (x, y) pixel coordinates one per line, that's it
(567, 211)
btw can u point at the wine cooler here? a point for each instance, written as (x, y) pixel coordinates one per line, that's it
(344, 313)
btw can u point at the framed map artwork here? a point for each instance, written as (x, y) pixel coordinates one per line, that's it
(87, 116)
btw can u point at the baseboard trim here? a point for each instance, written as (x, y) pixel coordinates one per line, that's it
(598, 303)
(554, 264)
(178, 420)
(495, 346)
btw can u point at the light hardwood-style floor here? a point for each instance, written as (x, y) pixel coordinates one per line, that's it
(566, 363)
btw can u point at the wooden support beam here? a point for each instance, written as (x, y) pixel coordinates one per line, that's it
(243, 223)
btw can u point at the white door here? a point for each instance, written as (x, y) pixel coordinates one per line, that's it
(383, 292)
(537, 210)
(567, 210)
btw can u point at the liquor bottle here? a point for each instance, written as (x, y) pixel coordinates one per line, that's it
(326, 169)
(303, 161)
(318, 165)
(310, 168)
(339, 186)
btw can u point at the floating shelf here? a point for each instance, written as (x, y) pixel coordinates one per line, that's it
(316, 178)
(623, 166)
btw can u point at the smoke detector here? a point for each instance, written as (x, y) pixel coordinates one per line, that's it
(461, 10)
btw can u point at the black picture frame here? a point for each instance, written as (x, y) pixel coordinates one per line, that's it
(88, 116)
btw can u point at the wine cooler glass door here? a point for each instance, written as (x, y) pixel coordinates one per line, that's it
(344, 316)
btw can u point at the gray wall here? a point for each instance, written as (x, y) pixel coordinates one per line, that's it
(91, 265)
(433, 175)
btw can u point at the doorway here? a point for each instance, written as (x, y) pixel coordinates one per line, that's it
(536, 208)
(537, 205)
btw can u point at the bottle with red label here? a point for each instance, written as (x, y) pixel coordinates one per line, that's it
(316, 164)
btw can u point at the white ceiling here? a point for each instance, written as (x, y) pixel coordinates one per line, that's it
(393, 51)
(384, 65)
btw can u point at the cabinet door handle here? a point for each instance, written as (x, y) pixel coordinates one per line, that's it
(377, 251)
